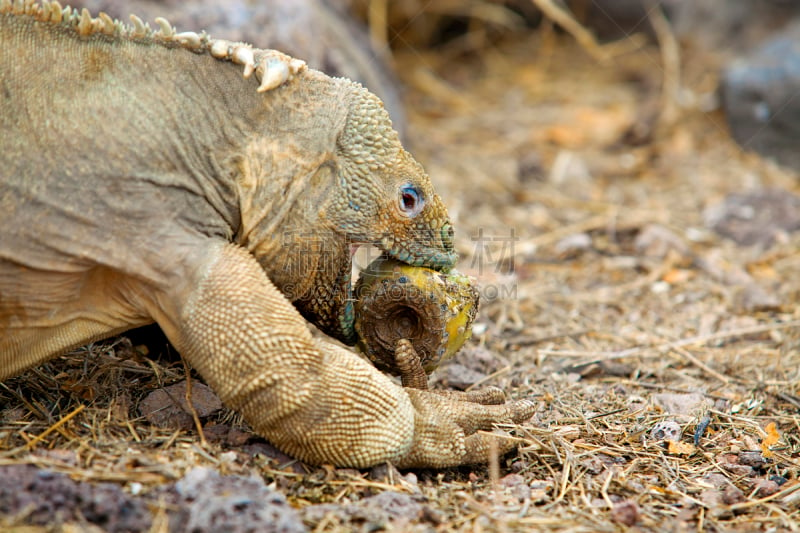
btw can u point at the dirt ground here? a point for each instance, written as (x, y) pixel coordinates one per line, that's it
(639, 279)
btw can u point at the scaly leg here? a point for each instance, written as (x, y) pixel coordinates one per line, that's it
(316, 401)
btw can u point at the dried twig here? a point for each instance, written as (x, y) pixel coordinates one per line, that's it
(671, 65)
(30, 445)
(564, 18)
(190, 405)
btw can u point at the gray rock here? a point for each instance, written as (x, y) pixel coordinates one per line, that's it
(759, 96)
(46, 498)
(756, 217)
(389, 510)
(234, 504)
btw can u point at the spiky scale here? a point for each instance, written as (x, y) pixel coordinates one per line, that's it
(109, 27)
(139, 28)
(167, 31)
(273, 73)
(85, 25)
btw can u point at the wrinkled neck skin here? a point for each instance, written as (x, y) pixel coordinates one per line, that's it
(286, 181)
(311, 265)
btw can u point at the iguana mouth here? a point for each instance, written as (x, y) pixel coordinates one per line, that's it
(430, 247)
(417, 254)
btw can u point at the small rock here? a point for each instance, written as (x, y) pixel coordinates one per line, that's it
(595, 369)
(45, 497)
(626, 513)
(752, 297)
(274, 456)
(712, 498)
(517, 486)
(732, 494)
(167, 407)
(210, 502)
(236, 437)
(520, 465)
(725, 25)
(573, 245)
(757, 217)
(530, 167)
(758, 94)
(230, 435)
(780, 480)
(686, 405)
(388, 473)
(738, 470)
(458, 376)
(216, 432)
(766, 487)
(592, 465)
(657, 241)
(541, 490)
(395, 505)
(666, 430)
(716, 480)
(390, 510)
(754, 459)
(12, 413)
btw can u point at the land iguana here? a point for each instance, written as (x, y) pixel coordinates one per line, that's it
(144, 179)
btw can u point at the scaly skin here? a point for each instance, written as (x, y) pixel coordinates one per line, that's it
(143, 178)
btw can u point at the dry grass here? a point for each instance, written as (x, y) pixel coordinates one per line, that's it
(614, 331)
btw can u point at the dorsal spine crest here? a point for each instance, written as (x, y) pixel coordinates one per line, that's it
(272, 68)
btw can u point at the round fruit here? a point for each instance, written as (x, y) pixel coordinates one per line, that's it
(433, 310)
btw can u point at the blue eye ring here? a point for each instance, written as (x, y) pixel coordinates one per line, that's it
(411, 200)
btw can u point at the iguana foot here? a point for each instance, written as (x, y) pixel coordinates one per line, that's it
(446, 427)
(409, 364)
(485, 396)
(462, 415)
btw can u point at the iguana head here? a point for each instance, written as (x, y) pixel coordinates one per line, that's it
(330, 175)
(384, 197)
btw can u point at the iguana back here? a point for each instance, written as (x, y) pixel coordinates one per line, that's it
(114, 139)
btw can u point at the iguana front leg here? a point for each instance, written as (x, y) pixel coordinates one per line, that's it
(316, 401)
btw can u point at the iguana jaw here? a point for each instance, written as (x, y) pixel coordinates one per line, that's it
(429, 243)
(417, 254)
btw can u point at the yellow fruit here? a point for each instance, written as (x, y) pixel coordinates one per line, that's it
(433, 310)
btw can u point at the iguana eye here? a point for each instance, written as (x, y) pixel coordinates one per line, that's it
(411, 200)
